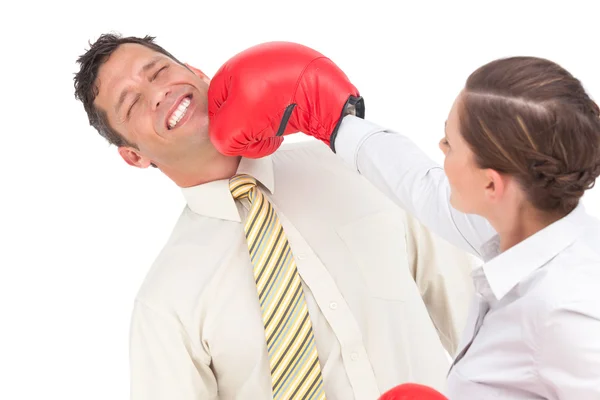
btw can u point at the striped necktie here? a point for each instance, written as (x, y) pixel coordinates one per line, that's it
(295, 369)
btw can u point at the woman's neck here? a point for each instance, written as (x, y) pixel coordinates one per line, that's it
(514, 226)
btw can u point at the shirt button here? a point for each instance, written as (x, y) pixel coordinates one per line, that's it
(354, 356)
(333, 305)
(301, 256)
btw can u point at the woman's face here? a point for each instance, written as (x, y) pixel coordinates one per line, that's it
(467, 181)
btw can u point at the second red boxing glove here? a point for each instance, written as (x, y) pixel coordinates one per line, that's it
(412, 391)
(274, 89)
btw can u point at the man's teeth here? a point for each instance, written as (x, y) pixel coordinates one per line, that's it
(179, 112)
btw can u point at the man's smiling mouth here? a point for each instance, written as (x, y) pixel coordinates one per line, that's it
(179, 112)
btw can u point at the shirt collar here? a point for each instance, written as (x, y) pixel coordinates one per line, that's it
(213, 199)
(506, 270)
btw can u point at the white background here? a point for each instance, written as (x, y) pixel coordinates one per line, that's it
(79, 228)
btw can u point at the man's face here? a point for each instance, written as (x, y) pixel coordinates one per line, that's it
(155, 103)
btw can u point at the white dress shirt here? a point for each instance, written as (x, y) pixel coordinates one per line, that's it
(197, 330)
(533, 331)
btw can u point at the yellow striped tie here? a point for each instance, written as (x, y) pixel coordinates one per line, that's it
(295, 369)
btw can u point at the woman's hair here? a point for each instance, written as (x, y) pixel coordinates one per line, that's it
(530, 118)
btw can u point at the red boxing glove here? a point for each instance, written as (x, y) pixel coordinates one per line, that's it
(274, 89)
(412, 391)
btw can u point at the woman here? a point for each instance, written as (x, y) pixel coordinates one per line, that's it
(521, 145)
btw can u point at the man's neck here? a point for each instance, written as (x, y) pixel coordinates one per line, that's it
(204, 169)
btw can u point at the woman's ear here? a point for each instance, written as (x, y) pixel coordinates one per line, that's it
(496, 186)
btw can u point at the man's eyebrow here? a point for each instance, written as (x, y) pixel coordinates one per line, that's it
(151, 64)
(121, 100)
(148, 66)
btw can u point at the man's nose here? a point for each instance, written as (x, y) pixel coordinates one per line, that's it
(158, 96)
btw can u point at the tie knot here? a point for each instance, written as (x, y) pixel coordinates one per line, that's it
(241, 185)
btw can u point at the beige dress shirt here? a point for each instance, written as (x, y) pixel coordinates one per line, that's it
(197, 331)
(533, 330)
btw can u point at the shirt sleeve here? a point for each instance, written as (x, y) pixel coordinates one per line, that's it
(442, 273)
(569, 352)
(163, 364)
(395, 164)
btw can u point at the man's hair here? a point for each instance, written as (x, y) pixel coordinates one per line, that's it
(86, 85)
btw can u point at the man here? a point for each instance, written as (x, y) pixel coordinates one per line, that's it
(344, 320)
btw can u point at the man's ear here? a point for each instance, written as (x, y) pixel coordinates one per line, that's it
(199, 73)
(133, 158)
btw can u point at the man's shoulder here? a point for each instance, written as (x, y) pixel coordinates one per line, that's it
(312, 165)
(185, 263)
(310, 177)
(307, 157)
(307, 146)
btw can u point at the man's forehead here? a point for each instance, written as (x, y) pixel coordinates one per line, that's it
(127, 61)
(129, 58)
